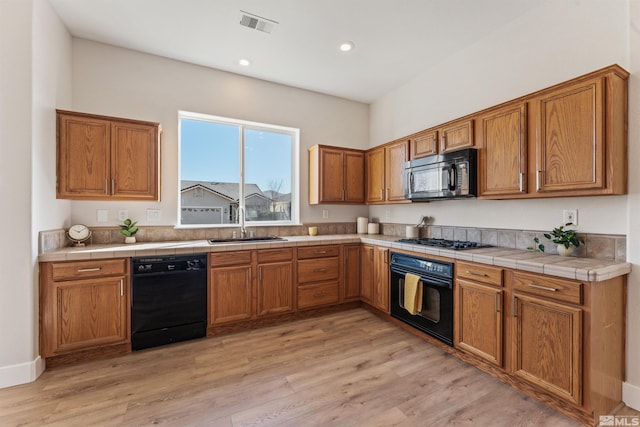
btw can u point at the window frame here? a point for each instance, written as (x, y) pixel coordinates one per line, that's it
(244, 125)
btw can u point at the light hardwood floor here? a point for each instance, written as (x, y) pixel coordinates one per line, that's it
(344, 369)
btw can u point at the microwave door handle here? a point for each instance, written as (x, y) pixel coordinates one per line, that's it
(452, 178)
(411, 182)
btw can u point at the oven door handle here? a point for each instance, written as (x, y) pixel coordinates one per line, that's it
(432, 282)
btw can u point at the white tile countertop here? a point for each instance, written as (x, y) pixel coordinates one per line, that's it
(587, 269)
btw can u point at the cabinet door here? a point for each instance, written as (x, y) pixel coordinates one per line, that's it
(367, 273)
(353, 177)
(547, 346)
(479, 320)
(456, 136)
(570, 144)
(381, 279)
(351, 273)
(134, 166)
(425, 144)
(90, 313)
(83, 160)
(331, 175)
(503, 152)
(395, 157)
(275, 288)
(230, 294)
(375, 175)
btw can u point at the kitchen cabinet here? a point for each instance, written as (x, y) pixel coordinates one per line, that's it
(424, 144)
(567, 140)
(318, 276)
(275, 281)
(84, 305)
(374, 283)
(385, 172)
(233, 287)
(230, 287)
(336, 175)
(351, 273)
(107, 158)
(456, 135)
(502, 158)
(478, 307)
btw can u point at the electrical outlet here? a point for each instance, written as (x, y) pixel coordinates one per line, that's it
(153, 215)
(570, 216)
(123, 214)
(325, 213)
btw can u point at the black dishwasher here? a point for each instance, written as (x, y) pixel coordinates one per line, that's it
(168, 299)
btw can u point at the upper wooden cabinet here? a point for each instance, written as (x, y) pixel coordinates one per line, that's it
(336, 175)
(424, 144)
(385, 172)
(502, 167)
(456, 136)
(567, 140)
(107, 158)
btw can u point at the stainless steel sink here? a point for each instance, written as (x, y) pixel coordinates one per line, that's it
(245, 239)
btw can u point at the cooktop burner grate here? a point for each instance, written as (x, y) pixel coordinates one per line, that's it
(444, 243)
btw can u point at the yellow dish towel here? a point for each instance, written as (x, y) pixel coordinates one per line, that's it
(412, 293)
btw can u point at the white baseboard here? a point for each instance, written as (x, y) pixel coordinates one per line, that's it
(631, 395)
(22, 373)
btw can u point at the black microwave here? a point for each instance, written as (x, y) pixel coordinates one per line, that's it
(442, 176)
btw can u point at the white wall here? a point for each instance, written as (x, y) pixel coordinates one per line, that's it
(30, 89)
(124, 83)
(558, 40)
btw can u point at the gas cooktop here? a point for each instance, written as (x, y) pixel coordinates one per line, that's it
(444, 244)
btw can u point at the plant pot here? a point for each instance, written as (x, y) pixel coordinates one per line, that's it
(562, 251)
(130, 239)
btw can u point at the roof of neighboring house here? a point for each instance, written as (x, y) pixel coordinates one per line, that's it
(278, 197)
(229, 190)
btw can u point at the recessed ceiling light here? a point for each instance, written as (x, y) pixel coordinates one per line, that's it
(244, 62)
(347, 46)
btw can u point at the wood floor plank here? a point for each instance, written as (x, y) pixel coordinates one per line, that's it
(342, 369)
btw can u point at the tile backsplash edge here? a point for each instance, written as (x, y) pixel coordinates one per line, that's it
(599, 246)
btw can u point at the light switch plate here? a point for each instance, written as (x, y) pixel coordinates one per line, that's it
(153, 215)
(102, 215)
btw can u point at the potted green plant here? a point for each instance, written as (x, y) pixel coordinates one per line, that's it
(129, 230)
(566, 239)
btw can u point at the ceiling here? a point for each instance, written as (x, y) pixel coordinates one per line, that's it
(394, 40)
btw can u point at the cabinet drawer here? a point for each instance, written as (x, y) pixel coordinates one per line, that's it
(82, 269)
(320, 294)
(479, 273)
(273, 255)
(318, 252)
(220, 259)
(550, 287)
(318, 270)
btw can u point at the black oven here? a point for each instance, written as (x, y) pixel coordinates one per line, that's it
(435, 317)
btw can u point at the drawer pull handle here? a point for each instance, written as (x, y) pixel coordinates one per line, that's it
(320, 294)
(475, 273)
(88, 270)
(544, 288)
(319, 270)
(320, 252)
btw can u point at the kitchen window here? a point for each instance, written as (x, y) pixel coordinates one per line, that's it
(230, 167)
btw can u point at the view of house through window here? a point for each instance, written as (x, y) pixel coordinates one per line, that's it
(228, 165)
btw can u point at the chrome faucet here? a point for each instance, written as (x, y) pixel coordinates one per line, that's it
(241, 219)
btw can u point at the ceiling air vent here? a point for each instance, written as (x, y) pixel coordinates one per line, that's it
(257, 22)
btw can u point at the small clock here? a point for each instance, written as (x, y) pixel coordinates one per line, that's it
(78, 234)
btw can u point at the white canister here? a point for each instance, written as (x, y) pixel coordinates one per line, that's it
(373, 228)
(412, 232)
(362, 225)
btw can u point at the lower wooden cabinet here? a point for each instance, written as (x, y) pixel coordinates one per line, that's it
(236, 295)
(478, 307)
(547, 345)
(83, 305)
(374, 279)
(351, 273)
(318, 276)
